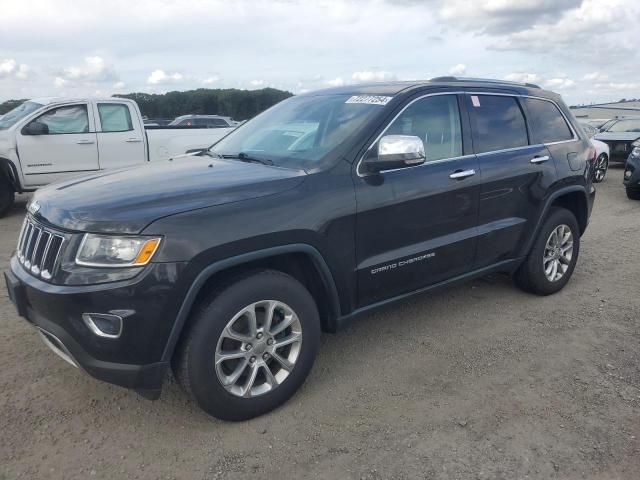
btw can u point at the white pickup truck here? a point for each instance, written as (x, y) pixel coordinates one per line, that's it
(50, 139)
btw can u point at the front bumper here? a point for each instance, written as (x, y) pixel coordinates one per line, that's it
(632, 182)
(134, 359)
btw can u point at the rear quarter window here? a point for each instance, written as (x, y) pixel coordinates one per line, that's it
(546, 122)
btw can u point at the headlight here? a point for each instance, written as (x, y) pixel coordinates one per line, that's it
(636, 143)
(627, 174)
(635, 152)
(108, 251)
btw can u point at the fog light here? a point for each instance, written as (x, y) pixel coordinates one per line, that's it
(103, 324)
(627, 174)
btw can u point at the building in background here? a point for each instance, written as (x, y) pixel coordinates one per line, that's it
(606, 110)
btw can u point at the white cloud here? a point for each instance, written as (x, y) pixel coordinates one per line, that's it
(459, 69)
(558, 83)
(211, 80)
(59, 82)
(10, 68)
(93, 69)
(119, 85)
(372, 76)
(257, 83)
(159, 77)
(595, 77)
(523, 77)
(336, 82)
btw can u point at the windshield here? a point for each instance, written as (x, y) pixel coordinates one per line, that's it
(300, 131)
(628, 125)
(10, 118)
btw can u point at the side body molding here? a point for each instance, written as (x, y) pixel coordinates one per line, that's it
(204, 275)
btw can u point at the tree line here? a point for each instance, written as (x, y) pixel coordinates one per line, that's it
(231, 102)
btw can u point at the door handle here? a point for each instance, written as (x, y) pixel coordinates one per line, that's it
(85, 142)
(133, 140)
(540, 159)
(462, 174)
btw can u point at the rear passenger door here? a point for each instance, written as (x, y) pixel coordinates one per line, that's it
(120, 140)
(416, 226)
(516, 174)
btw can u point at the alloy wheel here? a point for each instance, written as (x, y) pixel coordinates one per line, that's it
(602, 163)
(258, 348)
(558, 252)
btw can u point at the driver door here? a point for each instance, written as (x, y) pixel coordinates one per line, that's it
(70, 145)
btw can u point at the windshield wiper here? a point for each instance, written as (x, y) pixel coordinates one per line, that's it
(244, 157)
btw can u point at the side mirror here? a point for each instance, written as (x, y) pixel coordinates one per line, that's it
(35, 128)
(395, 151)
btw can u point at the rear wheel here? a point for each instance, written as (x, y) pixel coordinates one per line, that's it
(7, 195)
(252, 344)
(601, 167)
(554, 254)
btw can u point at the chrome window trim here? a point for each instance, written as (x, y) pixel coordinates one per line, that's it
(456, 92)
(512, 149)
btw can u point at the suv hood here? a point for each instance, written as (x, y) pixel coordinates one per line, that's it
(127, 200)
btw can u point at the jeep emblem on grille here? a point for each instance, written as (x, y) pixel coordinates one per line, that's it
(34, 207)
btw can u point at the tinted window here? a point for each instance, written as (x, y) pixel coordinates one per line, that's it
(546, 122)
(499, 123)
(436, 121)
(114, 117)
(72, 119)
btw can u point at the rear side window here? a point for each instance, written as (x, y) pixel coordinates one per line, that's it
(546, 122)
(114, 117)
(499, 123)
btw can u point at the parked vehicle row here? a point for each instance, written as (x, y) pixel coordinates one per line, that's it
(226, 266)
(49, 140)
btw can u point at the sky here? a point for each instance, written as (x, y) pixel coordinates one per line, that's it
(586, 50)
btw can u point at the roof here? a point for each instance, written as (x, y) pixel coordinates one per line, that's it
(395, 87)
(50, 100)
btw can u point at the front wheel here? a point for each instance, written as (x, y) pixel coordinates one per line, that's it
(251, 346)
(601, 167)
(633, 193)
(554, 254)
(7, 195)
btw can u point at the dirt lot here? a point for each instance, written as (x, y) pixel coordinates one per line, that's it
(479, 382)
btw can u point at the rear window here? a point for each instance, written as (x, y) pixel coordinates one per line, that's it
(546, 122)
(499, 123)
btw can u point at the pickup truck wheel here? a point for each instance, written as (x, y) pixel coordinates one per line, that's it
(252, 344)
(601, 167)
(7, 196)
(551, 261)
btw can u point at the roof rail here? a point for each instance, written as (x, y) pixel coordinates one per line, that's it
(484, 80)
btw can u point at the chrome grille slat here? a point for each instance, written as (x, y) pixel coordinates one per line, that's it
(39, 249)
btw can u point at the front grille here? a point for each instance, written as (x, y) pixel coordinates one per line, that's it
(39, 249)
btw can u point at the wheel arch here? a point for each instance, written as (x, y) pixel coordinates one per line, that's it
(302, 261)
(574, 199)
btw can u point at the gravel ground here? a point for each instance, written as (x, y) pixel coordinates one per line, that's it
(478, 382)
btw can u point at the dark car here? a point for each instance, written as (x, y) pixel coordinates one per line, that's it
(632, 172)
(206, 121)
(620, 135)
(227, 266)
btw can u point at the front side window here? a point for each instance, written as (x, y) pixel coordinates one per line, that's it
(499, 123)
(71, 119)
(436, 121)
(546, 122)
(114, 117)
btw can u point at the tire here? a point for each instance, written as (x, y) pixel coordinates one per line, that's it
(210, 337)
(601, 167)
(633, 194)
(7, 195)
(531, 275)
